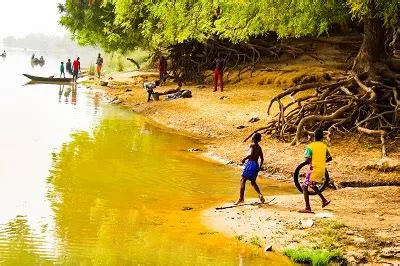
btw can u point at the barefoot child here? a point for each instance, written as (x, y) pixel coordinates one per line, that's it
(251, 168)
(317, 154)
(62, 72)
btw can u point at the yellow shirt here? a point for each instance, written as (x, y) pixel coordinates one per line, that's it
(318, 152)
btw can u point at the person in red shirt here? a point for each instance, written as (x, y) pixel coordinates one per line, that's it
(76, 65)
(219, 72)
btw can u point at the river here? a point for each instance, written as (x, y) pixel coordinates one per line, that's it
(86, 183)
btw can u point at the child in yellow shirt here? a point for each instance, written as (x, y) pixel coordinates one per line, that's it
(317, 154)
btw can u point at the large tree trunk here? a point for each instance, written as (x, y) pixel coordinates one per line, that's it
(372, 50)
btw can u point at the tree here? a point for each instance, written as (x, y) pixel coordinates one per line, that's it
(96, 22)
(366, 100)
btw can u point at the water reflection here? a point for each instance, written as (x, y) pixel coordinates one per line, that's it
(19, 245)
(117, 198)
(96, 101)
(116, 187)
(74, 94)
(60, 92)
(70, 90)
(67, 91)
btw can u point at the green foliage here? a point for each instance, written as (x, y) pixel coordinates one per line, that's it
(256, 241)
(239, 237)
(120, 64)
(330, 223)
(388, 10)
(316, 257)
(117, 62)
(121, 25)
(330, 233)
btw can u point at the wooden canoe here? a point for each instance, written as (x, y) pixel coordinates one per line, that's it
(48, 79)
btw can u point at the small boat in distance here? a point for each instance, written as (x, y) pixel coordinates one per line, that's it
(37, 61)
(48, 79)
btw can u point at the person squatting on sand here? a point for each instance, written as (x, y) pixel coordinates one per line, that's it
(149, 87)
(252, 168)
(317, 154)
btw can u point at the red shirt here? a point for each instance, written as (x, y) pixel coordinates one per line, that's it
(76, 65)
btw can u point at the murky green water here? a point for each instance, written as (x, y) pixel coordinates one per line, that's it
(83, 183)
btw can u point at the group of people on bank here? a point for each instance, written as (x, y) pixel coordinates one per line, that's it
(218, 63)
(218, 68)
(74, 68)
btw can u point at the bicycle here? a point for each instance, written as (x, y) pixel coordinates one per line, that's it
(300, 174)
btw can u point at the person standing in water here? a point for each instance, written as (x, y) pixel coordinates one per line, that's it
(68, 66)
(99, 64)
(76, 68)
(252, 168)
(62, 70)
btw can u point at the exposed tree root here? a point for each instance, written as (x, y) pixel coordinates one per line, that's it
(381, 133)
(353, 103)
(191, 59)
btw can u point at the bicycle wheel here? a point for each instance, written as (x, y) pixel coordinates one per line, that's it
(300, 174)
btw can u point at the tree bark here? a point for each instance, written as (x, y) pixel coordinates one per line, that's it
(372, 50)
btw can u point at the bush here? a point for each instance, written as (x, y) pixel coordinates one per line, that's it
(256, 241)
(120, 64)
(316, 257)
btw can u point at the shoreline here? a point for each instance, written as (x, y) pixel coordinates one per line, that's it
(221, 122)
(223, 142)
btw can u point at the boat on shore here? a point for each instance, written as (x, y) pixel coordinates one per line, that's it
(48, 79)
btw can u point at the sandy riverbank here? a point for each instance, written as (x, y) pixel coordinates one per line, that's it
(361, 222)
(364, 222)
(215, 117)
